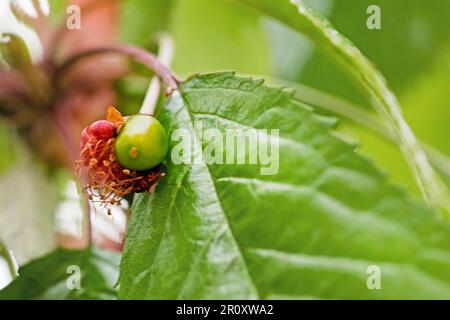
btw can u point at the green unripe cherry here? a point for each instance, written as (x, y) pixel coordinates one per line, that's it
(142, 143)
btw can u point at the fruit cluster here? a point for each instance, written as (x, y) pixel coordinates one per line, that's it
(121, 155)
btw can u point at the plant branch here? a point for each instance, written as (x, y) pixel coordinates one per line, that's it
(4, 252)
(300, 17)
(87, 222)
(140, 55)
(165, 55)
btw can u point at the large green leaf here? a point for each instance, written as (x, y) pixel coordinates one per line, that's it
(311, 230)
(53, 276)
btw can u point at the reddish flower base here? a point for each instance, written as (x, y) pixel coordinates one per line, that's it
(97, 165)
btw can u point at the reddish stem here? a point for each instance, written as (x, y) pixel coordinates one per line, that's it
(138, 54)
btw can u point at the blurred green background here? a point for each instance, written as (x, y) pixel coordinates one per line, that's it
(412, 50)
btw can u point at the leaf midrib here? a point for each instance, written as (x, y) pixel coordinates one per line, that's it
(290, 140)
(191, 117)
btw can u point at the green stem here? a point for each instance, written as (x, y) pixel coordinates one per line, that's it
(300, 17)
(165, 54)
(4, 252)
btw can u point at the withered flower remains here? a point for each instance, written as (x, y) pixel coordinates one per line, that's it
(99, 169)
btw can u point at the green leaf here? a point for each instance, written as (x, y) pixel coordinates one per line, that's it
(312, 230)
(51, 277)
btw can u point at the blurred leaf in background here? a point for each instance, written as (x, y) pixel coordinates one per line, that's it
(141, 23)
(427, 103)
(209, 35)
(27, 202)
(58, 11)
(407, 45)
(410, 49)
(8, 155)
(98, 275)
(291, 50)
(213, 35)
(142, 19)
